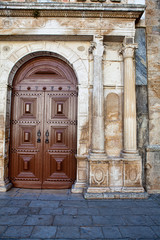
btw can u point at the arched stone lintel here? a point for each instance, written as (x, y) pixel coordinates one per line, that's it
(31, 55)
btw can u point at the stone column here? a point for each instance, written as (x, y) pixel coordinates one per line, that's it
(130, 142)
(97, 98)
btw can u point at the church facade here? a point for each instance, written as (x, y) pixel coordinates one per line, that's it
(79, 105)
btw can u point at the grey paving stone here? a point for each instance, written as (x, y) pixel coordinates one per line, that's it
(3, 202)
(42, 220)
(12, 219)
(29, 210)
(44, 232)
(70, 211)
(107, 220)
(114, 211)
(88, 211)
(18, 231)
(146, 203)
(73, 203)
(41, 203)
(27, 239)
(68, 232)
(111, 232)
(112, 203)
(27, 196)
(146, 211)
(2, 229)
(8, 210)
(51, 211)
(18, 203)
(156, 219)
(137, 232)
(55, 191)
(91, 232)
(30, 191)
(75, 197)
(53, 197)
(156, 230)
(137, 220)
(67, 220)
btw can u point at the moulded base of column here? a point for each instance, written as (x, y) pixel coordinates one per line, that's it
(4, 187)
(78, 187)
(133, 155)
(97, 156)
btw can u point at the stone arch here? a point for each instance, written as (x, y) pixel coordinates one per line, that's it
(62, 52)
(17, 60)
(30, 56)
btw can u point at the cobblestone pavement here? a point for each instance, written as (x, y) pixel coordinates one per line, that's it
(58, 214)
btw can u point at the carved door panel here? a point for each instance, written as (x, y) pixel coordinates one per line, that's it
(60, 139)
(26, 148)
(43, 133)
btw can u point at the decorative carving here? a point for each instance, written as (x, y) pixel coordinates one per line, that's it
(59, 164)
(99, 47)
(63, 94)
(26, 94)
(92, 47)
(26, 165)
(63, 122)
(29, 122)
(133, 174)
(13, 150)
(26, 136)
(17, 11)
(62, 151)
(59, 108)
(24, 179)
(99, 174)
(128, 50)
(27, 108)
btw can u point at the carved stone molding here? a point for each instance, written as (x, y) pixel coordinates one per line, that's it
(56, 9)
(128, 50)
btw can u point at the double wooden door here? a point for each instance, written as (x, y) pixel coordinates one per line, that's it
(43, 139)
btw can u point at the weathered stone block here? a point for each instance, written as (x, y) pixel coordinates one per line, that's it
(99, 174)
(132, 174)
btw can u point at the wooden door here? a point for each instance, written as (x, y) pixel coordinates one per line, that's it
(43, 128)
(26, 146)
(60, 141)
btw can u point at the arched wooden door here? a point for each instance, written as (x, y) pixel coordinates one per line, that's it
(43, 125)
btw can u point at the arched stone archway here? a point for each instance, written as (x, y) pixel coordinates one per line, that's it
(43, 124)
(14, 61)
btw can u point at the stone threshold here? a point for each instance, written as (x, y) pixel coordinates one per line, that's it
(116, 195)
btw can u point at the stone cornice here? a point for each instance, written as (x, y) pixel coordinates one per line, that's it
(57, 9)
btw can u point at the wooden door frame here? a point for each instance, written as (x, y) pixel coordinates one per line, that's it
(35, 55)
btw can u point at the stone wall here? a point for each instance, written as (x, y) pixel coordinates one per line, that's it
(153, 57)
(141, 96)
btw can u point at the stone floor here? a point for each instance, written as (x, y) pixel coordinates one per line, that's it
(58, 214)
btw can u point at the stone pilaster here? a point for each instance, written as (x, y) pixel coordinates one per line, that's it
(97, 98)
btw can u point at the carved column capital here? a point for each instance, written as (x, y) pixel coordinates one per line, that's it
(97, 47)
(128, 50)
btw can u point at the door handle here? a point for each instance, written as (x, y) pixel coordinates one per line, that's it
(47, 135)
(38, 136)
